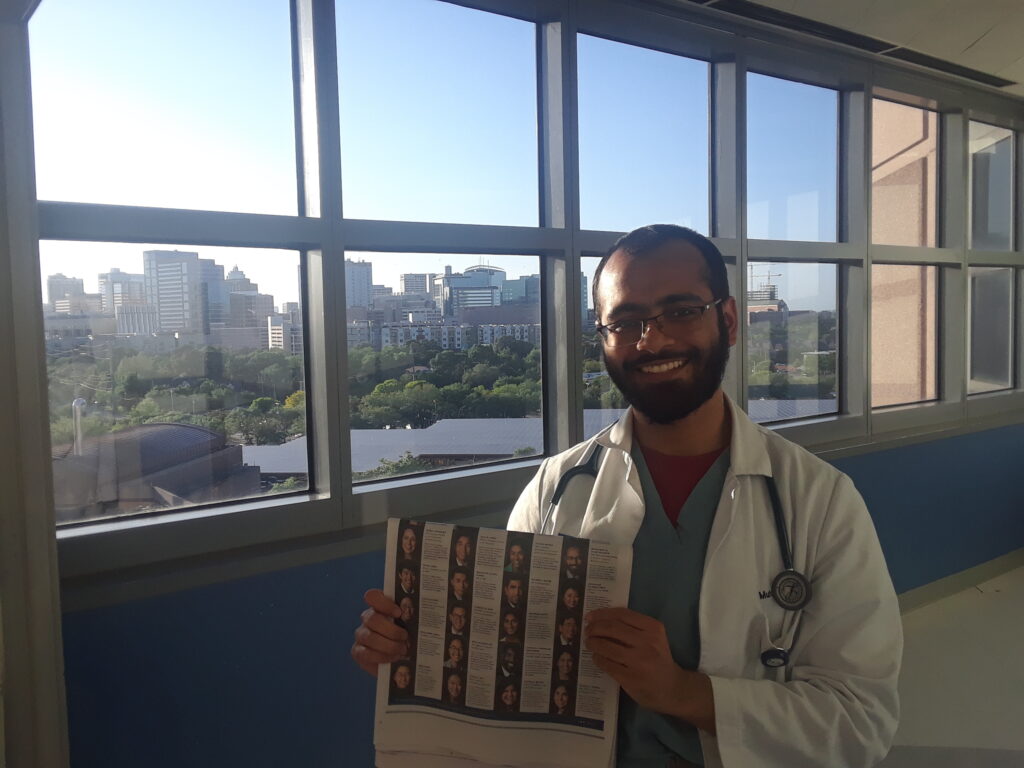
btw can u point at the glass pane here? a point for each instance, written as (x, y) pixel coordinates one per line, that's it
(173, 379)
(602, 401)
(904, 174)
(991, 331)
(178, 105)
(991, 187)
(792, 135)
(904, 334)
(444, 355)
(792, 341)
(438, 113)
(636, 171)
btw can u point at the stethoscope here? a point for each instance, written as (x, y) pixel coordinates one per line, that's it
(790, 589)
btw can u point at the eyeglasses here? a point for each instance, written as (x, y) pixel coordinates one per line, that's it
(674, 322)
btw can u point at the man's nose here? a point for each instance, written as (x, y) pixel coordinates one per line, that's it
(653, 338)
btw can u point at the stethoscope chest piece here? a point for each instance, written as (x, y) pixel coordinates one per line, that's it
(791, 590)
(775, 657)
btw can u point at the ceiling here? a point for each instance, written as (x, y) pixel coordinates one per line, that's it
(984, 35)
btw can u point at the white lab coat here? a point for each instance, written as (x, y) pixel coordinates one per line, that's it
(835, 705)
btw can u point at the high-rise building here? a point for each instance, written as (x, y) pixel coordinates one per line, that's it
(478, 286)
(136, 319)
(174, 288)
(118, 289)
(58, 286)
(215, 289)
(522, 290)
(358, 283)
(417, 282)
(249, 309)
(78, 304)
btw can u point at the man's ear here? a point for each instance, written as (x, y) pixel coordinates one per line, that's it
(730, 313)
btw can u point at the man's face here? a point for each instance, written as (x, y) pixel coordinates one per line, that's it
(408, 579)
(511, 624)
(462, 549)
(568, 628)
(454, 686)
(509, 659)
(513, 590)
(516, 557)
(459, 584)
(561, 697)
(458, 617)
(572, 558)
(455, 650)
(565, 664)
(408, 609)
(663, 377)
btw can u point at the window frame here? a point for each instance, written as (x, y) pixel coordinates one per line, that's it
(337, 519)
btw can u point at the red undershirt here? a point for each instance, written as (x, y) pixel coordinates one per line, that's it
(675, 477)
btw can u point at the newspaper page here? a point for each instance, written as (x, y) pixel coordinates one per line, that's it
(496, 672)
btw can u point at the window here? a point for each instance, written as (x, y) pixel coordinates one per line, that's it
(175, 376)
(602, 401)
(635, 170)
(792, 341)
(904, 334)
(991, 329)
(991, 187)
(201, 118)
(444, 359)
(904, 175)
(438, 113)
(792, 135)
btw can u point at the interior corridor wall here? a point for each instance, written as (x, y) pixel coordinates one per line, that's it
(255, 672)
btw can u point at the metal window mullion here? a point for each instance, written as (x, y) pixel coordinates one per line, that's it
(854, 229)
(727, 115)
(955, 222)
(559, 218)
(326, 276)
(35, 719)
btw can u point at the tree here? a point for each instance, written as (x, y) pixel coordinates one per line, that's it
(406, 465)
(296, 401)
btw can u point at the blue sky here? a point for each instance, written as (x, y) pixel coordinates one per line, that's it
(189, 104)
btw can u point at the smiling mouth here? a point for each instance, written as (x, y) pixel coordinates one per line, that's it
(662, 367)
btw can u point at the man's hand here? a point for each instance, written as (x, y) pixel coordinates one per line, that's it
(378, 640)
(633, 649)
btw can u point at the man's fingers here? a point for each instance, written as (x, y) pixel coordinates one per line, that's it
(382, 625)
(381, 603)
(368, 659)
(391, 649)
(608, 649)
(615, 631)
(625, 615)
(618, 672)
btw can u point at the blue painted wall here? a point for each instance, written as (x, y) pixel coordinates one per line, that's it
(256, 673)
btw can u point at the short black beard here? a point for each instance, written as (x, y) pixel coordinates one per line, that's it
(672, 401)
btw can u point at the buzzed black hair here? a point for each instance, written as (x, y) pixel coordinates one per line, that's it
(643, 241)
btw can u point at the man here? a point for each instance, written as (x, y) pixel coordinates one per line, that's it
(463, 550)
(457, 620)
(508, 664)
(686, 480)
(459, 584)
(573, 563)
(567, 628)
(512, 594)
(406, 580)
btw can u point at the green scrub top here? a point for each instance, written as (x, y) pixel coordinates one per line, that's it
(668, 565)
